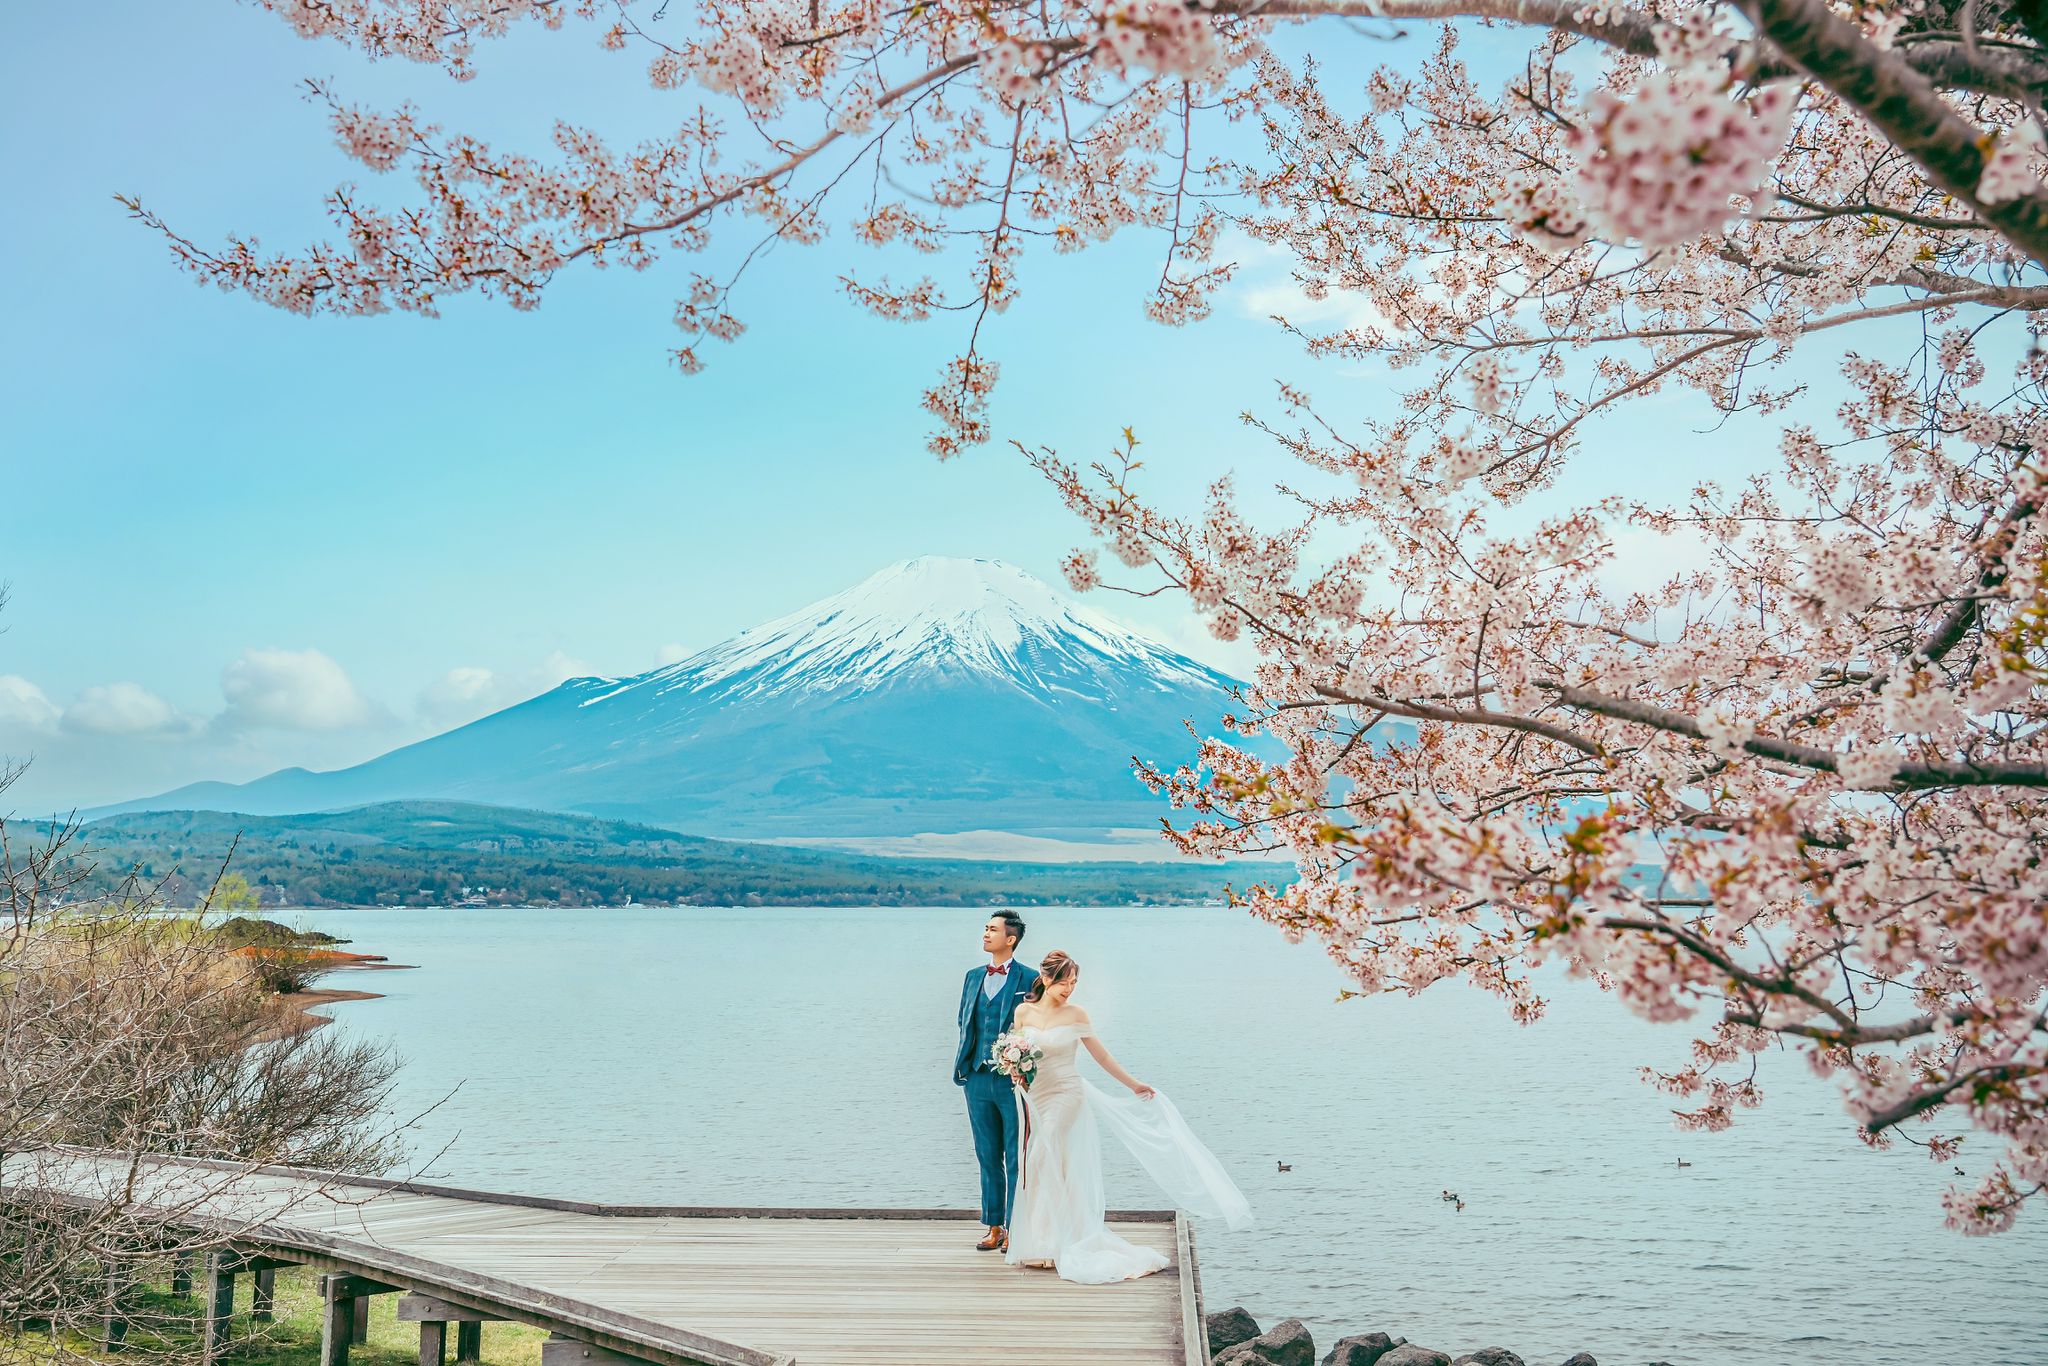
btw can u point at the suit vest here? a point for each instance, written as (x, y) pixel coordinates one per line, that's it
(985, 1025)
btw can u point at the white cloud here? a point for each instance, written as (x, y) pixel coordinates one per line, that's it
(469, 691)
(1266, 287)
(459, 696)
(671, 653)
(1645, 559)
(559, 668)
(1335, 311)
(289, 690)
(22, 703)
(121, 709)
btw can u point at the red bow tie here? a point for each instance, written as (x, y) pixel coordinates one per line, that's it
(994, 971)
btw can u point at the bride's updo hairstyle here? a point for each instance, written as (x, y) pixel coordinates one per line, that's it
(1055, 967)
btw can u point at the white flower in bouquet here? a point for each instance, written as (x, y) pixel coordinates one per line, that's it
(1015, 1058)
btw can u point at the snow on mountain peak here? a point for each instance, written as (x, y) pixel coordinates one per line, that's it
(961, 598)
(932, 614)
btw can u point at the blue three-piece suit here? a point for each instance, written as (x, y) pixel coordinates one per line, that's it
(991, 1104)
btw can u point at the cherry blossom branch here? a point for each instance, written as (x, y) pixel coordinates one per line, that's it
(1908, 775)
(1957, 621)
(2012, 75)
(1863, 208)
(1783, 985)
(1932, 1097)
(1424, 711)
(1902, 103)
(1855, 1035)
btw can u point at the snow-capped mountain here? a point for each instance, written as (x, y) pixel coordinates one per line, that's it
(937, 696)
(928, 618)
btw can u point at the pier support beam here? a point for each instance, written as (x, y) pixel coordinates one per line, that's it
(345, 1314)
(115, 1330)
(181, 1273)
(264, 1306)
(433, 1316)
(337, 1323)
(566, 1351)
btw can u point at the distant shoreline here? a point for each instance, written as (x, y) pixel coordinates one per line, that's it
(1190, 903)
(441, 854)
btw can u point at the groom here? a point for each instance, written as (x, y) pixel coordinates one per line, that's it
(987, 1001)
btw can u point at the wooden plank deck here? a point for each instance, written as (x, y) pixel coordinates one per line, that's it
(683, 1286)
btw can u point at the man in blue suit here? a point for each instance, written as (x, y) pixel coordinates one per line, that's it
(988, 998)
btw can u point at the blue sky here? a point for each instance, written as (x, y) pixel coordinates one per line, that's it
(240, 540)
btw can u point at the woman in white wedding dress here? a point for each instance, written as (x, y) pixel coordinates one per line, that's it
(1057, 1219)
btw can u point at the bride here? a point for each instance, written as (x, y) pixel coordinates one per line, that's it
(1057, 1220)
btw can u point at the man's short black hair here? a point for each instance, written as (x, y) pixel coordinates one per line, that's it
(1015, 923)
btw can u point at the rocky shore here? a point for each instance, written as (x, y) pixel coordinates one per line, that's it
(1235, 1339)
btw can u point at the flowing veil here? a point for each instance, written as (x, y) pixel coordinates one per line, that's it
(1058, 1216)
(1170, 1153)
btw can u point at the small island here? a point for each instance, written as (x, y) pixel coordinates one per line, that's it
(289, 961)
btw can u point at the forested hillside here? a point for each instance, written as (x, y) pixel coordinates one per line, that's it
(449, 853)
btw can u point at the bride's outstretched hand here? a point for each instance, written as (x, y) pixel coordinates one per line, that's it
(1110, 1064)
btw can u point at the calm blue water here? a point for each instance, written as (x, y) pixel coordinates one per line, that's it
(800, 1057)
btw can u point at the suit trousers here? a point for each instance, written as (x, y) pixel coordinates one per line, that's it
(992, 1113)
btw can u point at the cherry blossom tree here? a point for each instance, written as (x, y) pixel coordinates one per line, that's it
(1792, 794)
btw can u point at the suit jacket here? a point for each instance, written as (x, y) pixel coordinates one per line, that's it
(1020, 979)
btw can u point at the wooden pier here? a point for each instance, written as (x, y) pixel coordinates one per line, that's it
(621, 1285)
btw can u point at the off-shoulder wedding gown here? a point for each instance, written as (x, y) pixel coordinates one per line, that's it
(1057, 1219)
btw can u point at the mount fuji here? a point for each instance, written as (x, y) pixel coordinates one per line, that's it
(939, 696)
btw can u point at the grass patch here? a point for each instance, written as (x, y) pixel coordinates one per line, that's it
(163, 1320)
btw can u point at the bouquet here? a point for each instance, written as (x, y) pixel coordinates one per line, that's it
(1015, 1058)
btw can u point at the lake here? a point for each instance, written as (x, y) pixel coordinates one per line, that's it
(802, 1057)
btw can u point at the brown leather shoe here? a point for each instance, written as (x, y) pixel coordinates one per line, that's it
(992, 1241)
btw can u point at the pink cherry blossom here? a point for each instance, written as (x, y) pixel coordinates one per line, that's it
(1667, 163)
(2015, 165)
